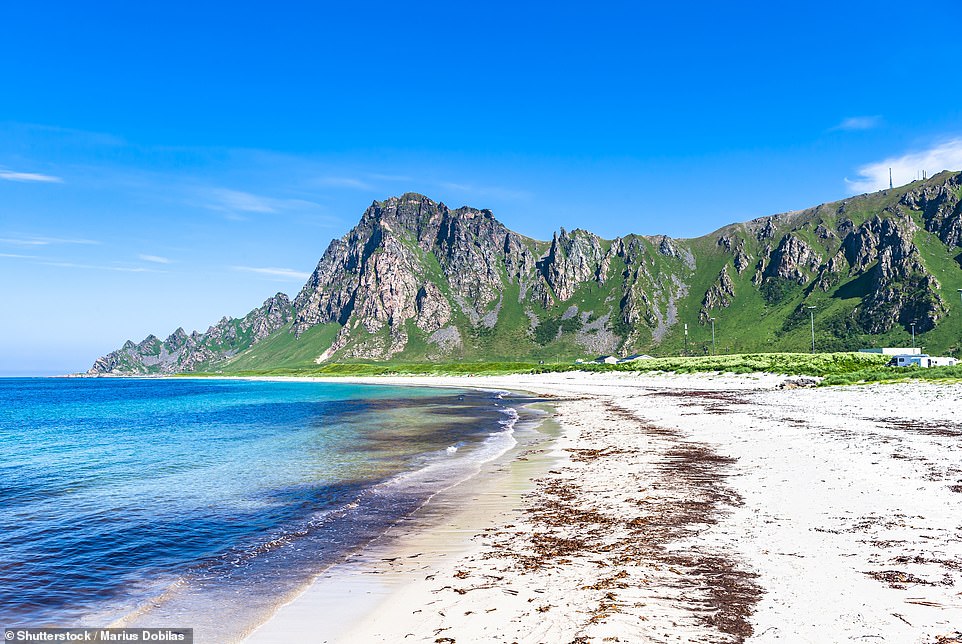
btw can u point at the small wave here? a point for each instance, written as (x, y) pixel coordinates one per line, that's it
(452, 449)
(512, 417)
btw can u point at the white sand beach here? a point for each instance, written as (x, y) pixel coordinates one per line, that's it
(664, 508)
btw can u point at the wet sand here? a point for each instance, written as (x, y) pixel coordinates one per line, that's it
(677, 509)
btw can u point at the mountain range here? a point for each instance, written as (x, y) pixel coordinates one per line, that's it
(417, 281)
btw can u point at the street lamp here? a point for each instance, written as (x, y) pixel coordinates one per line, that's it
(811, 313)
(912, 324)
(712, 335)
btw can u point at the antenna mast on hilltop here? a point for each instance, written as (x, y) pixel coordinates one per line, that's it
(890, 178)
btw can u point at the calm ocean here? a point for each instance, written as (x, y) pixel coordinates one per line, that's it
(180, 500)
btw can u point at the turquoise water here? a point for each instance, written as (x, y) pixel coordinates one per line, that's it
(174, 499)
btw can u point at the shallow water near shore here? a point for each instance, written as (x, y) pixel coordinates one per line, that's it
(205, 502)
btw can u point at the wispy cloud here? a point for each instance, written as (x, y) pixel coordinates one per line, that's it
(44, 241)
(344, 182)
(233, 202)
(243, 201)
(156, 259)
(16, 256)
(28, 177)
(120, 269)
(495, 192)
(905, 168)
(858, 123)
(389, 177)
(287, 273)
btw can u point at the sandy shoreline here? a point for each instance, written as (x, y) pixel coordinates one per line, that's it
(678, 509)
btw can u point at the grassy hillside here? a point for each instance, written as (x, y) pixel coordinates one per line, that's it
(282, 350)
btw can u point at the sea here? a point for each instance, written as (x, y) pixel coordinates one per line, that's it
(205, 502)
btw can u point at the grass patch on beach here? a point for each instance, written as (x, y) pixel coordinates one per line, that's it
(791, 364)
(836, 368)
(894, 374)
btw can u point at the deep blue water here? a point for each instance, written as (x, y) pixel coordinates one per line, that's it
(185, 495)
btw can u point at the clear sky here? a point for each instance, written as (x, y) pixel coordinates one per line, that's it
(164, 164)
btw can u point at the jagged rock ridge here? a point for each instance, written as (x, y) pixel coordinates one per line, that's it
(181, 352)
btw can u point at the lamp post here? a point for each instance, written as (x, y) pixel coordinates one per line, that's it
(912, 324)
(712, 335)
(811, 313)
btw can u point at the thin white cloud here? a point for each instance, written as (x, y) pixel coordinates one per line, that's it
(16, 256)
(288, 273)
(905, 168)
(45, 241)
(28, 177)
(494, 192)
(344, 182)
(156, 259)
(120, 269)
(859, 123)
(233, 202)
(389, 177)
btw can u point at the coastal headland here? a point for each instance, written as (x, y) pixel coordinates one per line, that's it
(675, 508)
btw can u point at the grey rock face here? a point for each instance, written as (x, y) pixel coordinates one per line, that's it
(718, 296)
(573, 259)
(941, 206)
(902, 290)
(379, 274)
(793, 260)
(433, 310)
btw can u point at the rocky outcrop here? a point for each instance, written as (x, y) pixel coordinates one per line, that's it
(433, 310)
(736, 246)
(572, 259)
(902, 290)
(792, 260)
(719, 296)
(941, 205)
(385, 271)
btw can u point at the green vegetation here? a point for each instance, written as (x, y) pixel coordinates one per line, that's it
(843, 368)
(894, 374)
(283, 350)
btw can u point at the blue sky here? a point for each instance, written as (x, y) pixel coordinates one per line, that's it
(162, 165)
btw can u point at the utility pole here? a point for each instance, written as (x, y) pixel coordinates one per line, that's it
(811, 312)
(890, 178)
(686, 338)
(712, 335)
(912, 324)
